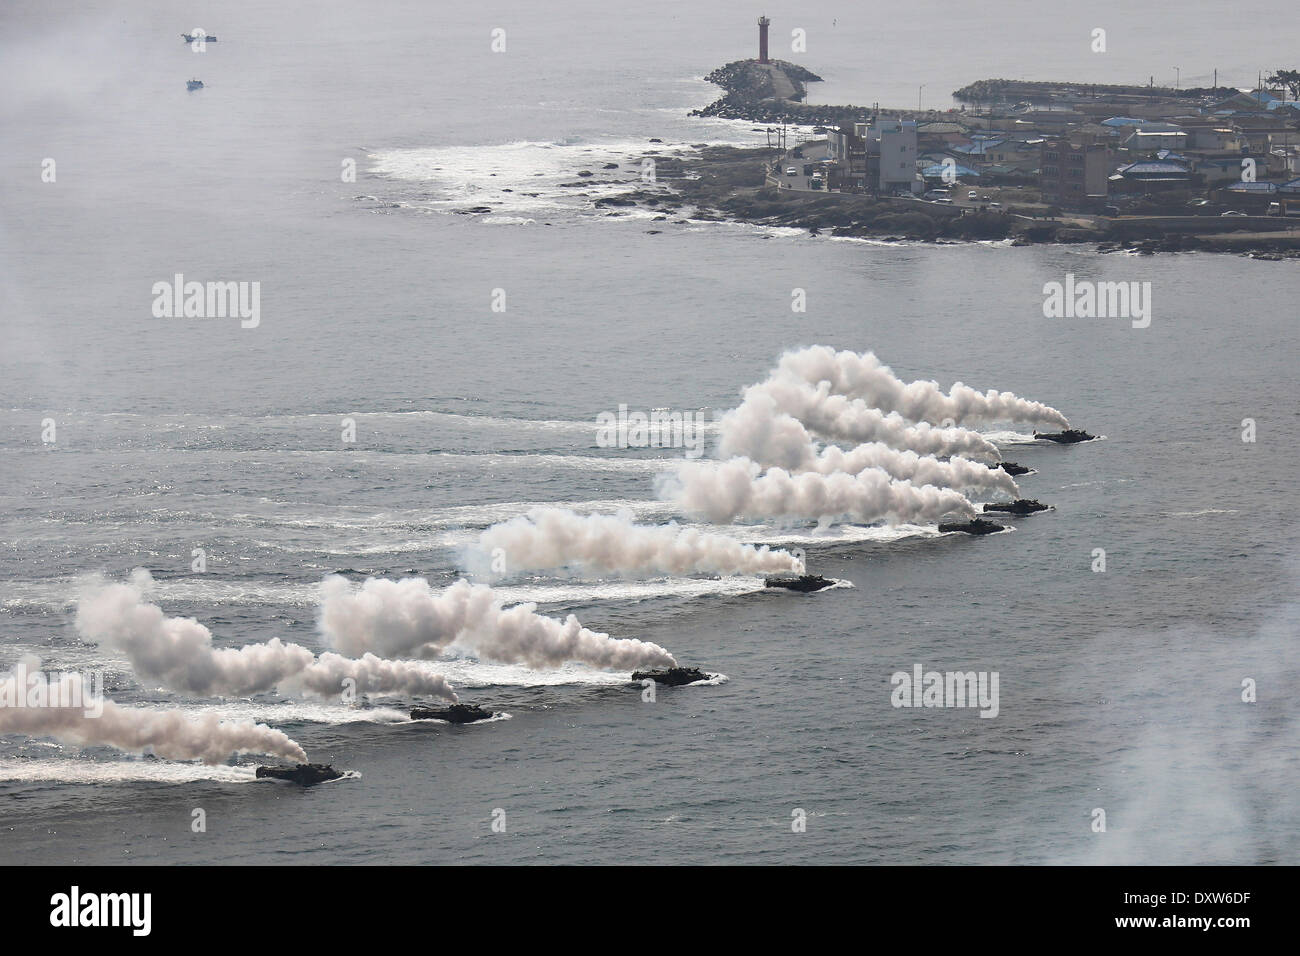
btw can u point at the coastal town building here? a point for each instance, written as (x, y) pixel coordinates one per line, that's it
(1150, 175)
(1217, 171)
(847, 148)
(894, 142)
(939, 134)
(1149, 137)
(880, 157)
(1071, 174)
(1016, 151)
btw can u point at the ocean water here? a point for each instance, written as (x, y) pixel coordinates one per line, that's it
(1118, 690)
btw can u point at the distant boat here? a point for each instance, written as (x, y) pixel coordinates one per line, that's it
(191, 37)
(194, 85)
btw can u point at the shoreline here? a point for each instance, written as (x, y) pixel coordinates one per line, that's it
(720, 183)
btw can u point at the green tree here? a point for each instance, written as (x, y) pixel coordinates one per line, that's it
(1289, 80)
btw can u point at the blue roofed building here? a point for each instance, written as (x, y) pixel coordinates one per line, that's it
(936, 171)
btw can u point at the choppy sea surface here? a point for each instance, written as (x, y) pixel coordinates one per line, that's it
(1119, 690)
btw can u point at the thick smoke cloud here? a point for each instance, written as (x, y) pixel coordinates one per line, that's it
(369, 675)
(738, 488)
(59, 710)
(177, 653)
(918, 469)
(614, 544)
(851, 419)
(775, 440)
(409, 617)
(902, 466)
(863, 376)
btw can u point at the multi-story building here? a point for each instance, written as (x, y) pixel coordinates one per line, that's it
(894, 141)
(1070, 174)
(880, 157)
(847, 147)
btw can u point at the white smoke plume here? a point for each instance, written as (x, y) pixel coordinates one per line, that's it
(737, 488)
(604, 544)
(177, 653)
(369, 674)
(959, 473)
(851, 419)
(409, 617)
(168, 733)
(864, 376)
(773, 439)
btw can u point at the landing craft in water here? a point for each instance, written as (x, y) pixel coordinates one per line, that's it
(304, 774)
(975, 526)
(455, 714)
(1010, 467)
(672, 676)
(1070, 436)
(193, 37)
(1021, 506)
(193, 85)
(798, 582)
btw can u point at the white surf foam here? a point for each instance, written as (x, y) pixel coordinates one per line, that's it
(715, 680)
(276, 713)
(499, 716)
(465, 673)
(119, 771)
(539, 175)
(632, 590)
(1009, 438)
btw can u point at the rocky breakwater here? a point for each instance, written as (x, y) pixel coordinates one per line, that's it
(766, 93)
(774, 93)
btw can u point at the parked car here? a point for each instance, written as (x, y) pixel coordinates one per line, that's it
(791, 171)
(1233, 212)
(972, 194)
